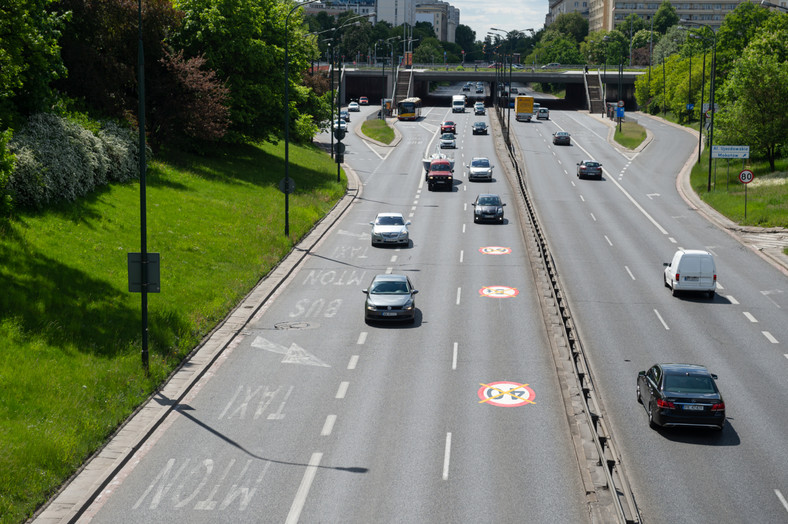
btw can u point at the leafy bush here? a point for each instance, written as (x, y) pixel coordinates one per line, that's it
(6, 168)
(59, 160)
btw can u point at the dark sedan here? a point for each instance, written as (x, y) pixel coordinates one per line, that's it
(390, 297)
(488, 208)
(681, 395)
(562, 137)
(588, 168)
(479, 128)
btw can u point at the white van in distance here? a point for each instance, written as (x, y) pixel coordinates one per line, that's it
(691, 270)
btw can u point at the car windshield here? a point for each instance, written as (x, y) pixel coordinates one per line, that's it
(489, 201)
(389, 288)
(689, 384)
(562, 133)
(480, 162)
(390, 221)
(447, 136)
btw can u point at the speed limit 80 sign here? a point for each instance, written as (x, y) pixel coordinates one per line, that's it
(746, 176)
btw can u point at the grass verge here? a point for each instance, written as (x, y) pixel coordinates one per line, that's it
(766, 196)
(378, 129)
(631, 135)
(70, 339)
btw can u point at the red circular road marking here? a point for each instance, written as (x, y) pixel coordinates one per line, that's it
(506, 394)
(495, 250)
(498, 291)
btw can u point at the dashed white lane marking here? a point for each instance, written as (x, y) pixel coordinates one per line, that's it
(750, 317)
(454, 357)
(463, 228)
(342, 390)
(780, 495)
(446, 456)
(731, 299)
(608, 241)
(661, 320)
(462, 252)
(672, 240)
(459, 293)
(389, 270)
(770, 337)
(353, 362)
(328, 426)
(582, 199)
(393, 258)
(303, 489)
(630, 273)
(362, 337)
(593, 217)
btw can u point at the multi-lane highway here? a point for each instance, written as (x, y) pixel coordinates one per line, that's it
(609, 239)
(312, 415)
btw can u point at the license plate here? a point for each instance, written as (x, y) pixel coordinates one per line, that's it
(693, 407)
(691, 279)
(389, 314)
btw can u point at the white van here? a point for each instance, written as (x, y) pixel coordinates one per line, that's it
(691, 270)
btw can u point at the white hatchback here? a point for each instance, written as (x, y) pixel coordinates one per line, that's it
(390, 228)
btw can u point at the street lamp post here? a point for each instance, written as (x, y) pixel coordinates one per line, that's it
(711, 91)
(702, 94)
(287, 117)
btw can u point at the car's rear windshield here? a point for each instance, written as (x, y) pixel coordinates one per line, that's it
(390, 221)
(592, 164)
(389, 288)
(689, 384)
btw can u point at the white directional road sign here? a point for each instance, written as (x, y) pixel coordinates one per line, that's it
(730, 151)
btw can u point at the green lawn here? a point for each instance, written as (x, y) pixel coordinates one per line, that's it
(378, 130)
(70, 339)
(631, 135)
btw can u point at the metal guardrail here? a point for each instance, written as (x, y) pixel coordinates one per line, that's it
(620, 504)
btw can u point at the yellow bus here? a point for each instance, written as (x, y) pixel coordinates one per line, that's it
(409, 109)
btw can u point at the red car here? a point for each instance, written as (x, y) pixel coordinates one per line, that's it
(448, 127)
(364, 101)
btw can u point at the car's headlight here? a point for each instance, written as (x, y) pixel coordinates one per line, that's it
(371, 307)
(408, 305)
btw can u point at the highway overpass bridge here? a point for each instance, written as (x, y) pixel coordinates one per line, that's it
(370, 83)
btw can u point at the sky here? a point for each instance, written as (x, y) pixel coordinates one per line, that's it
(509, 15)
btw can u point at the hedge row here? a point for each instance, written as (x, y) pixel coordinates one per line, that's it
(59, 160)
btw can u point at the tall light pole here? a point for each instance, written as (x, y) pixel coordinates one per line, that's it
(143, 197)
(605, 40)
(711, 90)
(702, 93)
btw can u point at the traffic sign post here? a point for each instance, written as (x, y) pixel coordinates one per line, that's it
(745, 177)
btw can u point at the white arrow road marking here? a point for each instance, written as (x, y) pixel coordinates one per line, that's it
(295, 354)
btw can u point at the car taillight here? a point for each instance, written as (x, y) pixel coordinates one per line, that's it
(677, 277)
(720, 406)
(715, 277)
(665, 404)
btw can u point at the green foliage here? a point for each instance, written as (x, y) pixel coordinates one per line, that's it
(756, 94)
(59, 160)
(244, 42)
(7, 162)
(558, 48)
(665, 17)
(428, 51)
(465, 37)
(29, 56)
(572, 25)
(737, 30)
(669, 44)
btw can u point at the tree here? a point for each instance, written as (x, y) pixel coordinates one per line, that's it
(572, 25)
(29, 56)
(428, 51)
(244, 41)
(559, 48)
(665, 17)
(737, 30)
(669, 44)
(755, 109)
(465, 37)
(631, 24)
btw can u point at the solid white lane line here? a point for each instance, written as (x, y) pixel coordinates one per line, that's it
(780, 495)
(303, 489)
(462, 253)
(459, 292)
(342, 389)
(660, 319)
(750, 317)
(446, 455)
(731, 299)
(454, 357)
(630, 273)
(362, 337)
(353, 362)
(770, 337)
(328, 426)
(640, 208)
